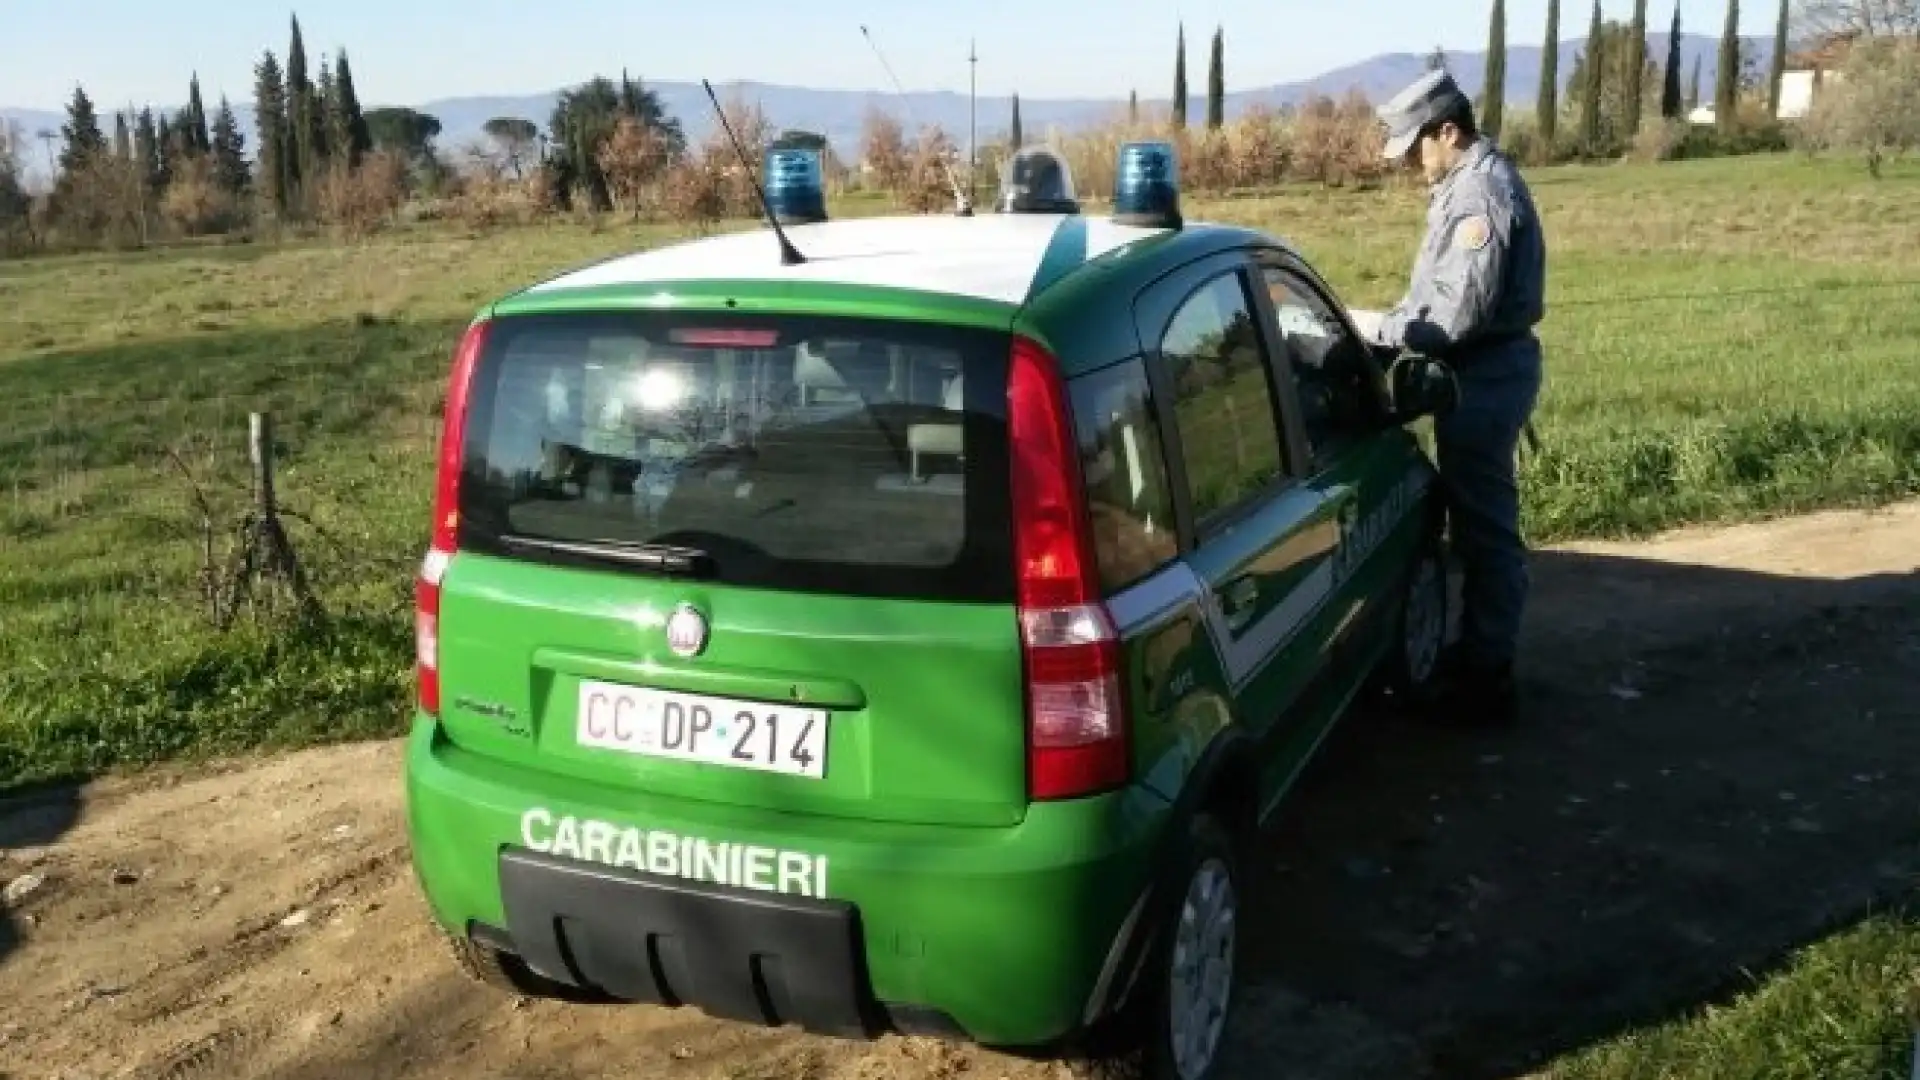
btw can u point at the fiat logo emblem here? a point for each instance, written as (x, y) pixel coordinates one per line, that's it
(686, 631)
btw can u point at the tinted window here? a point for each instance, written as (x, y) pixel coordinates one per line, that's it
(1223, 405)
(835, 455)
(1326, 360)
(1125, 473)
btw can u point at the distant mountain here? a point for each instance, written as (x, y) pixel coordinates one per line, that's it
(838, 114)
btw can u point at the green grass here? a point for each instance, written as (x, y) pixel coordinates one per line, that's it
(1839, 1011)
(1726, 339)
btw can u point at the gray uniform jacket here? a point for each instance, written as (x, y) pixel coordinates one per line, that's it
(1479, 283)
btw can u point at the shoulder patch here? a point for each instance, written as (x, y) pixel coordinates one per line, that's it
(1472, 233)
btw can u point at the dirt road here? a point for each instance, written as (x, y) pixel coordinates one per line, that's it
(1721, 745)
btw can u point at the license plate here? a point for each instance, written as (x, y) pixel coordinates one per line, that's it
(711, 731)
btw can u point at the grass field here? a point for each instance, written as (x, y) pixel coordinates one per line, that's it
(1725, 339)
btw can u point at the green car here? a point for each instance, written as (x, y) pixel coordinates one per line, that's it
(909, 634)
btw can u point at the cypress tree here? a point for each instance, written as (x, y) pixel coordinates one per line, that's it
(1636, 65)
(1726, 91)
(1217, 82)
(122, 137)
(199, 139)
(1133, 106)
(1549, 107)
(1180, 79)
(275, 155)
(1693, 87)
(229, 151)
(1493, 96)
(1779, 66)
(1596, 71)
(1018, 138)
(359, 138)
(84, 138)
(1670, 101)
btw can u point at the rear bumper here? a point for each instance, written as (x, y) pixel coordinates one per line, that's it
(1005, 936)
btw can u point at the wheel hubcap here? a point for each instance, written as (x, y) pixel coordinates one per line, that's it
(1202, 968)
(1426, 619)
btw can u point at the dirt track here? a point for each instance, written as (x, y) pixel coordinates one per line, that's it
(1718, 762)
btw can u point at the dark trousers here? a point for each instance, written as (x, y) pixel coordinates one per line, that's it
(1477, 447)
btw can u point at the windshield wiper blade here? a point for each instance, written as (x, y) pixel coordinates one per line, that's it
(661, 558)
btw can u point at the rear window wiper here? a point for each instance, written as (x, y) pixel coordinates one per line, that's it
(660, 558)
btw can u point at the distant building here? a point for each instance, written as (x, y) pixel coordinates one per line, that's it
(1808, 69)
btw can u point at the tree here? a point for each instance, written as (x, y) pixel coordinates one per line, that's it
(1593, 87)
(1217, 81)
(1015, 136)
(1180, 78)
(1133, 107)
(1437, 59)
(359, 140)
(1874, 107)
(122, 137)
(513, 137)
(644, 105)
(584, 117)
(1824, 19)
(81, 132)
(1636, 61)
(1493, 94)
(1726, 95)
(1779, 67)
(230, 169)
(1611, 48)
(275, 163)
(198, 137)
(148, 153)
(1548, 110)
(404, 132)
(305, 114)
(1693, 86)
(1670, 102)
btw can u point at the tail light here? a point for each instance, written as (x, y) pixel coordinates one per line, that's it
(446, 519)
(1076, 731)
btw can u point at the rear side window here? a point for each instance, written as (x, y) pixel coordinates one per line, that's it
(1125, 473)
(844, 456)
(1223, 397)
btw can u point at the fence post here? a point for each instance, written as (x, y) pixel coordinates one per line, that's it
(260, 450)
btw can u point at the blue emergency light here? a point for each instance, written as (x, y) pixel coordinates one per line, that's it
(1146, 186)
(794, 186)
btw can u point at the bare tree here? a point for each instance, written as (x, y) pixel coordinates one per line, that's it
(515, 137)
(1815, 20)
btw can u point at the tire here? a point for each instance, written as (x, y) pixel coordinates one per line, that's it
(1408, 673)
(508, 974)
(1140, 1043)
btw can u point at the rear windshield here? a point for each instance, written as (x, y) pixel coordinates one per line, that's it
(836, 455)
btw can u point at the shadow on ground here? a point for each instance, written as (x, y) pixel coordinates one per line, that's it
(29, 819)
(1715, 767)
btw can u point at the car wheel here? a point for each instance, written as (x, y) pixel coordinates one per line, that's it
(1408, 673)
(508, 974)
(1176, 1026)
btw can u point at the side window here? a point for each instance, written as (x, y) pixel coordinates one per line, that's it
(1223, 401)
(1125, 473)
(1328, 363)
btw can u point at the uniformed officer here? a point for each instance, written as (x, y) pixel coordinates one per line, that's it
(1475, 295)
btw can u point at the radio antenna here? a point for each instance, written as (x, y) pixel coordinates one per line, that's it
(789, 255)
(962, 205)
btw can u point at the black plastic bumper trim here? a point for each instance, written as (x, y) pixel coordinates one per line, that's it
(737, 954)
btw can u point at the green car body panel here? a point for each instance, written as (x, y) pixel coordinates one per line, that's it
(1011, 921)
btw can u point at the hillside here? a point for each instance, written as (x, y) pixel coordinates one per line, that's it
(839, 113)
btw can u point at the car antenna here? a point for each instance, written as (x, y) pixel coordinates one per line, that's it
(962, 206)
(789, 255)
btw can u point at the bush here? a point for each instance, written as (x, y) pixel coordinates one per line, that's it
(196, 204)
(360, 201)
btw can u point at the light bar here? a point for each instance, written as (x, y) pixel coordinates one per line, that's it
(1146, 187)
(794, 186)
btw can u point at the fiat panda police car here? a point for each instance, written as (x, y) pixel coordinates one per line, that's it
(906, 626)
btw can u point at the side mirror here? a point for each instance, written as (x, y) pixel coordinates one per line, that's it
(1420, 386)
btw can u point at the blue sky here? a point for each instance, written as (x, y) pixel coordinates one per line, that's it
(411, 51)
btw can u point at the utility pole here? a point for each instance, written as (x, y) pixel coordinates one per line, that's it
(973, 119)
